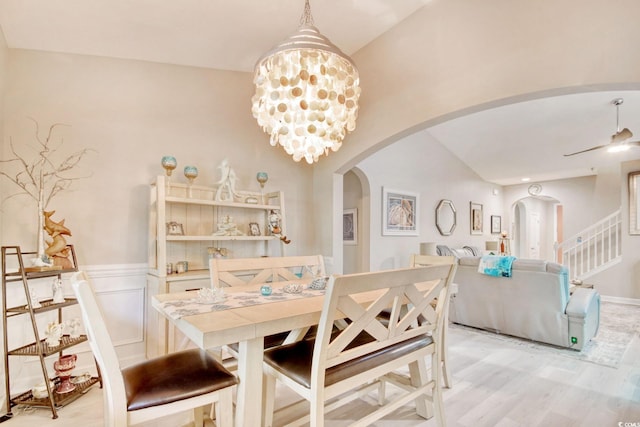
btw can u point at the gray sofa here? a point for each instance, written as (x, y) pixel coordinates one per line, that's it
(533, 303)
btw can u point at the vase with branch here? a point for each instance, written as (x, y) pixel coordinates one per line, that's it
(41, 177)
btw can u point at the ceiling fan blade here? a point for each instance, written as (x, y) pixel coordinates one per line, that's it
(588, 149)
(621, 135)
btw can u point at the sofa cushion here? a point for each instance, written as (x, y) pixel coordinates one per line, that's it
(530, 265)
(472, 261)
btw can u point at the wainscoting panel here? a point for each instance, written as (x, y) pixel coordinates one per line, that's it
(121, 291)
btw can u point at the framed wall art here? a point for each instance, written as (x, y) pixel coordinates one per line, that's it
(350, 226)
(399, 213)
(475, 213)
(496, 224)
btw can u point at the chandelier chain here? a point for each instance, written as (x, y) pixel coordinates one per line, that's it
(306, 19)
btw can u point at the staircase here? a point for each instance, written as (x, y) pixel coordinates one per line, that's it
(594, 249)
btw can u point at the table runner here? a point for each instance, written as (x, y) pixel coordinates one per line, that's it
(187, 307)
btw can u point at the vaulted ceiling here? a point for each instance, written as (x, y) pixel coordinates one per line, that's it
(502, 144)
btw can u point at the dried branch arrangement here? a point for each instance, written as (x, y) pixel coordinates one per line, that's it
(40, 178)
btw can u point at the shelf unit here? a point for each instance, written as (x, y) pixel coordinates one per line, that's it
(197, 212)
(38, 348)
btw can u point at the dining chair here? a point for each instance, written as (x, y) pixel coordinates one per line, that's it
(249, 271)
(157, 387)
(338, 367)
(426, 260)
(246, 271)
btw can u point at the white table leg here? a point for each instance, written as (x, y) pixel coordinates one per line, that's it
(249, 397)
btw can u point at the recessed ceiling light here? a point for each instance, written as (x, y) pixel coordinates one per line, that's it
(526, 179)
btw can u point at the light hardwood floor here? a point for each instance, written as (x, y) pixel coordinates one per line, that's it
(495, 384)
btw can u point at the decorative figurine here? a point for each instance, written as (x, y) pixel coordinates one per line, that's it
(58, 296)
(74, 327)
(274, 226)
(35, 300)
(54, 334)
(228, 228)
(227, 183)
(57, 249)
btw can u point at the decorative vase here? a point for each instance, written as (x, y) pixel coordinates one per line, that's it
(191, 172)
(63, 366)
(262, 178)
(169, 163)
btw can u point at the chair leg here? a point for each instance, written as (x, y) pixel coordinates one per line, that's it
(224, 413)
(198, 416)
(444, 350)
(419, 376)
(438, 406)
(268, 399)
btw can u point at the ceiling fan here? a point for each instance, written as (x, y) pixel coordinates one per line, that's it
(619, 140)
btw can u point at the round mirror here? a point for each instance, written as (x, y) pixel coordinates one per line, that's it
(446, 217)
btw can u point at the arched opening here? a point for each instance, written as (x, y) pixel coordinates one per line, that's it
(355, 202)
(536, 227)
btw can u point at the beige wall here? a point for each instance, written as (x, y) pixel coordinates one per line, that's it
(457, 56)
(4, 54)
(131, 113)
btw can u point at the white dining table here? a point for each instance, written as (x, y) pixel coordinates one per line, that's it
(247, 325)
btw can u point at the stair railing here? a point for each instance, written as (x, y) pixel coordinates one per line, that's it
(593, 249)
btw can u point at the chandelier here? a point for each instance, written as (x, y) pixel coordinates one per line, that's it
(307, 93)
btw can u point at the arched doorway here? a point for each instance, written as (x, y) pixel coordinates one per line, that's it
(355, 198)
(536, 227)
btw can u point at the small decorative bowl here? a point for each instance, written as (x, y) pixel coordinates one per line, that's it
(81, 378)
(266, 290)
(319, 283)
(40, 390)
(293, 288)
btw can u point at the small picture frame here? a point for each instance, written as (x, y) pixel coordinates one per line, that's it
(174, 229)
(496, 224)
(254, 229)
(475, 214)
(350, 226)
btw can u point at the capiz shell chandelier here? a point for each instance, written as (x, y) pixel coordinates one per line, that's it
(307, 93)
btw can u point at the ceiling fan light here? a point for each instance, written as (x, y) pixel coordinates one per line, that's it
(621, 136)
(618, 148)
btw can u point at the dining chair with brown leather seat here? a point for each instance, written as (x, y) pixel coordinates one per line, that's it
(158, 387)
(338, 367)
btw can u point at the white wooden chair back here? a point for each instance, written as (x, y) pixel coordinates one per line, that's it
(411, 287)
(418, 260)
(245, 271)
(115, 404)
